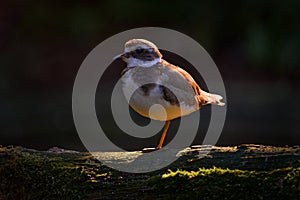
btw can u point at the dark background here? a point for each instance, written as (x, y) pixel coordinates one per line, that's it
(255, 44)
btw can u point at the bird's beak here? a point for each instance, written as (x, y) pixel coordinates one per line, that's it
(118, 56)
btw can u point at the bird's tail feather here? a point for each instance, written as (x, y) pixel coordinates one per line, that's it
(213, 98)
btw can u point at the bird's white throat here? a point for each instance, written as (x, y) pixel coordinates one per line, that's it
(134, 62)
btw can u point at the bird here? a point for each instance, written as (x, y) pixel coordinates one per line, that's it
(145, 63)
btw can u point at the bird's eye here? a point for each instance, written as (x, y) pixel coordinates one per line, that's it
(140, 50)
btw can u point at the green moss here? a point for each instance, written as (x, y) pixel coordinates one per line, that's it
(217, 183)
(26, 176)
(247, 172)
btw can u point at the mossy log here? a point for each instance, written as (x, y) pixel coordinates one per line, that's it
(238, 172)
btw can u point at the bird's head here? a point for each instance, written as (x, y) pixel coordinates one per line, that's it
(140, 53)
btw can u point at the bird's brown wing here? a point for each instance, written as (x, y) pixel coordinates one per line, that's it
(184, 81)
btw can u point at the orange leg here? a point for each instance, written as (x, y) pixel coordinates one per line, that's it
(161, 141)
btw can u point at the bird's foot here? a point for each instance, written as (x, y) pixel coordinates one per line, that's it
(151, 149)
